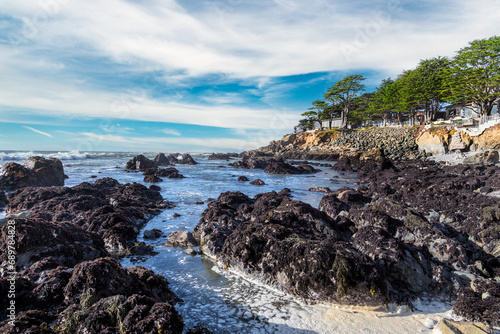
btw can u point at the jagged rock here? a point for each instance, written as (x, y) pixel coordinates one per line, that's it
(36, 172)
(456, 142)
(116, 212)
(162, 160)
(182, 238)
(170, 173)
(153, 234)
(243, 179)
(142, 249)
(258, 182)
(140, 162)
(36, 239)
(294, 246)
(483, 158)
(172, 159)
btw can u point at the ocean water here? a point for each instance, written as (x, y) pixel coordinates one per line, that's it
(225, 301)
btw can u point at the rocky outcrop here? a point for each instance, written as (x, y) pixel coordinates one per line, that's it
(169, 173)
(258, 182)
(162, 160)
(36, 172)
(140, 162)
(279, 167)
(95, 296)
(250, 162)
(222, 156)
(290, 245)
(370, 160)
(114, 211)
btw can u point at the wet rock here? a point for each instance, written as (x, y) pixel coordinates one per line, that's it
(152, 179)
(279, 167)
(243, 179)
(480, 302)
(249, 162)
(332, 206)
(162, 160)
(36, 172)
(153, 234)
(293, 245)
(115, 212)
(258, 182)
(170, 173)
(36, 238)
(182, 238)
(140, 162)
(172, 159)
(154, 187)
(222, 156)
(483, 158)
(142, 249)
(176, 215)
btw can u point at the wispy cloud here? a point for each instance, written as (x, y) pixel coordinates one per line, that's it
(38, 131)
(171, 132)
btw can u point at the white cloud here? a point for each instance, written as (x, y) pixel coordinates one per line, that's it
(172, 132)
(38, 131)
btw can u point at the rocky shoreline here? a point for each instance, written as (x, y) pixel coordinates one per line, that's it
(413, 228)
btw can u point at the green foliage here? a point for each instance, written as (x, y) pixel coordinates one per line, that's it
(474, 75)
(343, 94)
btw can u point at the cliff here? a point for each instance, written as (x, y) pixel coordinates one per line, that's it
(396, 143)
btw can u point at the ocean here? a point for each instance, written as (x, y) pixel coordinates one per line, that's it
(221, 300)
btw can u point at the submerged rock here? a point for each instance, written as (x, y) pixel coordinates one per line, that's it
(153, 234)
(243, 179)
(36, 172)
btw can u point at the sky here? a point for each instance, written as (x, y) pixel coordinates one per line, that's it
(203, 75)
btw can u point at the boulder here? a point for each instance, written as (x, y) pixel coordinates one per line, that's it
(243, 179)
(153, 234)
(140, 162)
(172, 159)
(258, 182)
(182, 238)
(152, 179)
(321, 189)
(483, 158)
(249, 162)
(36, 172)
(162, 160)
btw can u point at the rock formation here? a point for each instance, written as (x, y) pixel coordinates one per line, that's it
(36, 172)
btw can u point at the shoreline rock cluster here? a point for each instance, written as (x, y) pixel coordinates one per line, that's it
(412, 229)
(66, 280)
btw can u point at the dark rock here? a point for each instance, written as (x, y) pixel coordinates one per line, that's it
(116, 212)
(162, 160)
(153, 234)
(176, 215)
(142, 249)
(254, 163)
(36, 239)
(222, 156)
(293, 245)
(480, 302)
(3, 200)
(279, 167)
(182, 238)
(154, 187)
(140, 162)
(258, 182)
(152, 179)
(36, 172)
(243, 179)
(199, 202)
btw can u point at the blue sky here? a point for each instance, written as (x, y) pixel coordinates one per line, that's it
(202, 76)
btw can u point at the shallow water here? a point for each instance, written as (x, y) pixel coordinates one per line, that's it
(223, 301)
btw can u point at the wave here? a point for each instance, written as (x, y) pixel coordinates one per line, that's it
(73, 155)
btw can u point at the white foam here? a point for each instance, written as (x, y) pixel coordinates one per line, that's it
(16, 156)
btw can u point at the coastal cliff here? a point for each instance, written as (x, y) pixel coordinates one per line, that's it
(395, 143)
